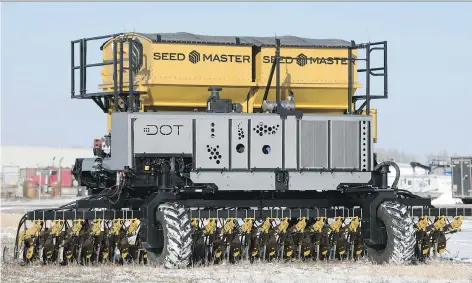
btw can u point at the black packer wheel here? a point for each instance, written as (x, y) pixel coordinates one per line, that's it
(400, 232)
(177, 241)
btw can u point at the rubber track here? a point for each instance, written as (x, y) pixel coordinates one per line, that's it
(404, 240)
(179, 240)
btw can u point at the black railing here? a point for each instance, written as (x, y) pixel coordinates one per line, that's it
(130, 97)
(369, 72)
(104, 99)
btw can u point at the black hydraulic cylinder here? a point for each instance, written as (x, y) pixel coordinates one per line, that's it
(130, 79)
(350, 78)
(115, 76)
(277, 72)
(384, 173)
(72, 64)
(367, 79)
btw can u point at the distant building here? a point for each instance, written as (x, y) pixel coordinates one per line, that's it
(34, 156)
(19, 163)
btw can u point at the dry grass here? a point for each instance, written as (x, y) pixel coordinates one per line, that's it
(10, 219)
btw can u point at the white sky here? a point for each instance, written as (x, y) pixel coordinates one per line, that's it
(430, 52)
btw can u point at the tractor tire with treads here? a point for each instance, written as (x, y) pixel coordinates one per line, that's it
(401, 241)
(177, 243)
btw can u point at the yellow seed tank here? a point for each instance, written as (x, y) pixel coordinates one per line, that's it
(174, 71)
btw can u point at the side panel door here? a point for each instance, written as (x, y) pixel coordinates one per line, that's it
(466, 179)
(456, 167)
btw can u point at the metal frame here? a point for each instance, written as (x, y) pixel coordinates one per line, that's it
(363, 205)
(242, 213)
(369, 72)
(105, 99)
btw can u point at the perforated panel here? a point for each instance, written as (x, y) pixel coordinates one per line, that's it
(212, 150)
(239, 148)
(364, 145)
(266, 143)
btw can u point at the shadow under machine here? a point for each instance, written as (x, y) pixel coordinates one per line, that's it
(238, 148)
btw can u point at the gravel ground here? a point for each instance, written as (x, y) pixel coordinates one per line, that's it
(437, 271)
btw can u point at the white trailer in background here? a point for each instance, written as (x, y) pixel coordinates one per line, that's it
(429, 181)
(461, 178)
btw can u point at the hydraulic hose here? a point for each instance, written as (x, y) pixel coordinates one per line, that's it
(15, 249)
(407, 194)
(397, 171)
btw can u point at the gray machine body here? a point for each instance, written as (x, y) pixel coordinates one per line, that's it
(241, 151)
(461, 168)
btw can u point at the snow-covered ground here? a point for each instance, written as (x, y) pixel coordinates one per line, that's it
(438, 271)
(27, 204)
(264, 273)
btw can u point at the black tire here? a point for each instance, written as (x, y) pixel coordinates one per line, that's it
(401, 241)
(177, 242)
(467, 200)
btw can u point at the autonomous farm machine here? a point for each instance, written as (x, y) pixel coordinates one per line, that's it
(228, 149)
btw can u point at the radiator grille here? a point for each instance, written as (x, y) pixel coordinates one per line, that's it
(314, 144)
(345, 144)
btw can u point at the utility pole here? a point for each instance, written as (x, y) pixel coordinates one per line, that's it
(40, 188)
(39, 173)
(59, 177)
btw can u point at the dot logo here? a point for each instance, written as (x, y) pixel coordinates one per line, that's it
(302, 60)
(165, 130)
(194, 57)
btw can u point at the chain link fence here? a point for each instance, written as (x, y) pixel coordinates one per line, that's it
(10, 184)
